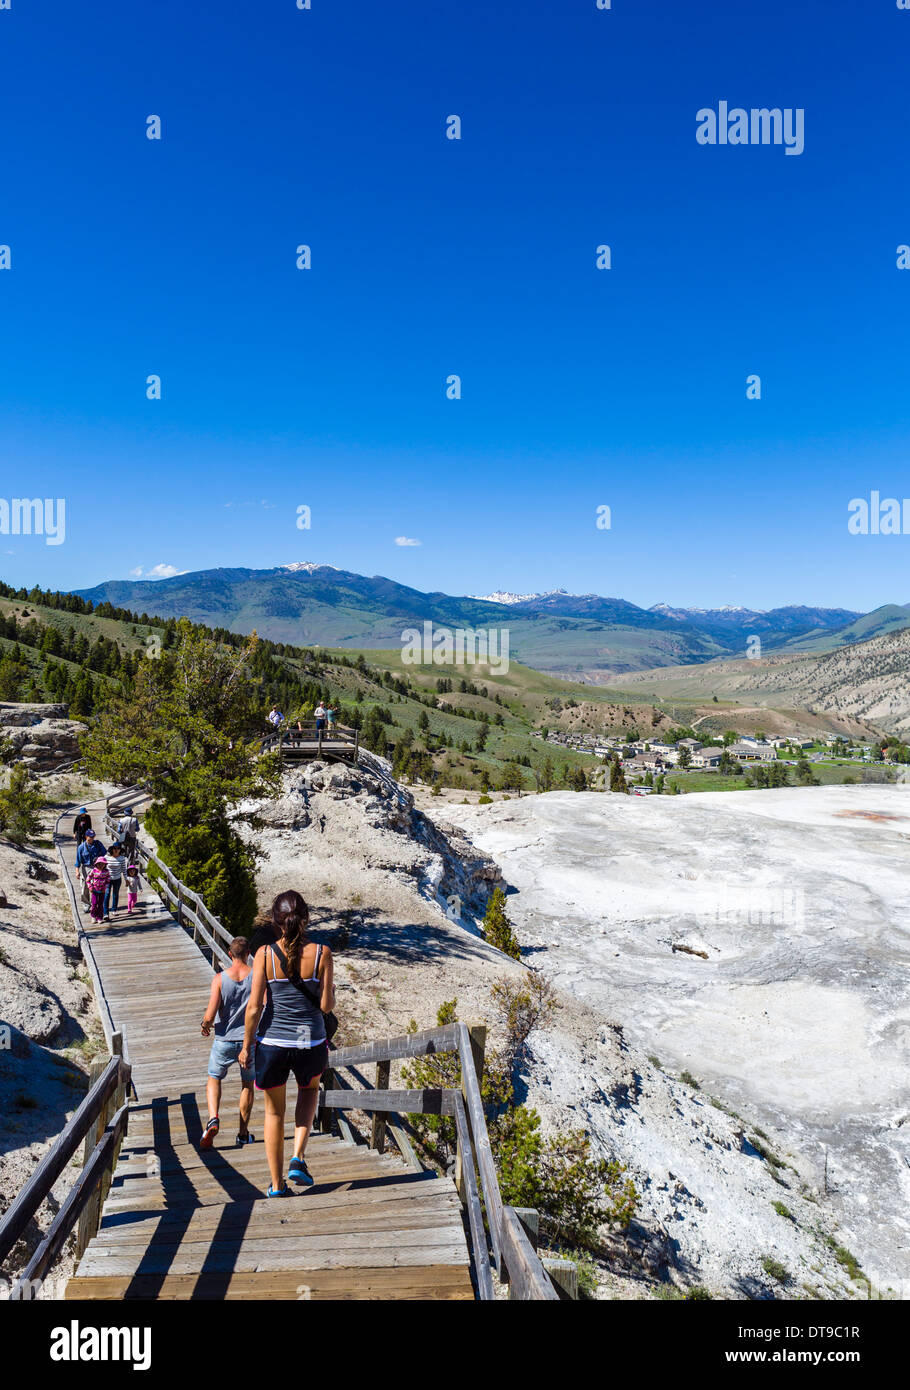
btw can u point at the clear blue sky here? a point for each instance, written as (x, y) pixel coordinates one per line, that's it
(580, 388)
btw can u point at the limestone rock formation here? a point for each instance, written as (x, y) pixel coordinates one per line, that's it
(41, 736)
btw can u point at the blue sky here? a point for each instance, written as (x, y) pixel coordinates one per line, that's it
(581, 388)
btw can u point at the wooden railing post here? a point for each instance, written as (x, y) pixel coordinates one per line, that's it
(478, 1036)
(377, 1129)
(118, 1099)
(324, 1120)
(530, 1222)
(90, 1216)
(564, 1274)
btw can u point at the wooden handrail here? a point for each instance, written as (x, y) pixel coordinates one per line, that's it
(38, 1187)
(514, 1258)
(440, 1039)
(92, 1175)
(472, 1202)
(179, 894)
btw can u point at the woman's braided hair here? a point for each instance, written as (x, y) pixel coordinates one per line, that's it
(291, 917)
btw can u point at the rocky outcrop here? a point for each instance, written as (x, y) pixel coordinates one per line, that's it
(364, 809)
(40, 735)
(23, 716)
(26, 1006)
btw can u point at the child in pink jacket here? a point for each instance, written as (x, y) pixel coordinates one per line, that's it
(132, 887)
(98, 879)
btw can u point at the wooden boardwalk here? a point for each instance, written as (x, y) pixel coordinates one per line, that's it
(182, 1223)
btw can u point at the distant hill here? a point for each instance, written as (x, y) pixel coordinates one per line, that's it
(867, 682)
(317, 605)
(891, 617)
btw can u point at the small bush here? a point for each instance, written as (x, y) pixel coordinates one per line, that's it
(521, 1006)
(783, 1211)
(688, 1079)
(20, 802)
(846, 1260)
(484, 800)
(697, 1293)
(775, 1270)
(764, 1152)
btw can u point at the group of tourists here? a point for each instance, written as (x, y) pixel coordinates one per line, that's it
(268, 1010)
(325, 715)
(101, 872)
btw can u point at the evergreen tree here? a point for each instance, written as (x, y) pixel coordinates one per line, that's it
(188, 736)
(20, 802)
(617, 776)
(497, 928)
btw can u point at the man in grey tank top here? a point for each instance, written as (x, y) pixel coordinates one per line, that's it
(228, 999)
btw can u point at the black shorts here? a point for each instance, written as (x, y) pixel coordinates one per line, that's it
(274, 1064)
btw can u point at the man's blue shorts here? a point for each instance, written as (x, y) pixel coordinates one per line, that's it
(222, 1057)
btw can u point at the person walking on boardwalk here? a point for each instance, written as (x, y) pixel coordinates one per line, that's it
(127, 831)
(320, 717)
(228, 1001)
(90, 850)
(82, 823)
(116, 867)
(133, 885)
(98, 881)
(293, 981)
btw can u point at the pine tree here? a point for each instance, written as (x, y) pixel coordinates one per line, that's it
(20, 802)
(617, 776)
(497, 928)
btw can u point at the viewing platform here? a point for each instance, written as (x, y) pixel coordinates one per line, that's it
(306, 743)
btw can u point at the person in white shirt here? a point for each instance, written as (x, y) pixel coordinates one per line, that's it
(116, 864)
(127, 830)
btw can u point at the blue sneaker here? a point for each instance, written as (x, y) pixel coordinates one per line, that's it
(298, 1172)
(285, 1191)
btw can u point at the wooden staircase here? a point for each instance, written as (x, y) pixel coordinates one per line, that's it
(158, 1218)
(186, 1224)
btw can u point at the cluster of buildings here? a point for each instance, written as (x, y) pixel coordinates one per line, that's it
(655, 755)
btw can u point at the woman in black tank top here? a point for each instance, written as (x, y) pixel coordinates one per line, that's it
(292, 963)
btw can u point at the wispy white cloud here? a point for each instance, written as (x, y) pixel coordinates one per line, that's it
(406, 540)
(263, 502)
(156, 572)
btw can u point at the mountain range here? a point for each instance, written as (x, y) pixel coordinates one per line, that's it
(305, 603)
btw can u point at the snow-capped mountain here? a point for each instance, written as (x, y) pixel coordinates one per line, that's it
(306, 567)
(682, 614)
(506, 596)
